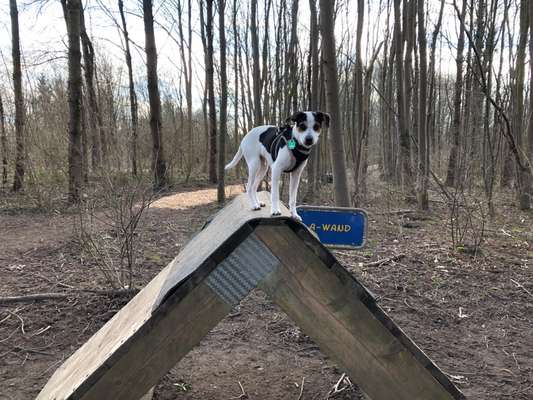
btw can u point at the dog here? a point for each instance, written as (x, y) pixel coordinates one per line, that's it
(283, 149)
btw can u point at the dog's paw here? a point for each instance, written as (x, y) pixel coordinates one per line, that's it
(261, 204)
(296, 217)
(275, 213)
(256, 208)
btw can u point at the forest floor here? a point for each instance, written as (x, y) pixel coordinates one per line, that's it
(472, 314)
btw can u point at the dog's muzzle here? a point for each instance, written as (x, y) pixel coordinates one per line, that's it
(308, 141)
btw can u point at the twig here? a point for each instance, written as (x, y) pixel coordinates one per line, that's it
(394, 212)
(379, 263)
(6, 318)
(51, 296)
(243, 394)
(9, 337)
(518, 284)
(302, 388)
(335, 390)
(21, 321)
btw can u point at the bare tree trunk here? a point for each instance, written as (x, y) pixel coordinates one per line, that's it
(358, 95)
(314, 69)
(236, 75)
(403, 122)
(133, 95)
(423, 153)
(256, 73)
(529, 152)
(95, 117)
(73, 12)
(433, 109)
(211, 94)
(292, 64)
(159, 167)
(186, 60)
(338, 157)
(223, 103)
(20, 158)
(518, 98)
(452, 175)
(3, 142)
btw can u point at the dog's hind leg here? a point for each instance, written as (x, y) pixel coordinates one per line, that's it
(261, 172)
(253, 167)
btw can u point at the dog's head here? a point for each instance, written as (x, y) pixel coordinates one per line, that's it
(306, 126)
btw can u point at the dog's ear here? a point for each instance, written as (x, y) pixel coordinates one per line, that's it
(322, 118)
(296, 118)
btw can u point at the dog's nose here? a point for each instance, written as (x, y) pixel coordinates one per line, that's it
(308, 141)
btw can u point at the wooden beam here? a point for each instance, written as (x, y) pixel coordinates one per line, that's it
(330, 310)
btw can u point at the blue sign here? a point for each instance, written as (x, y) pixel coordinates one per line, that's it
(336, 227)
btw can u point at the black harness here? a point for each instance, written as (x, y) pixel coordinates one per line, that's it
(274, 139)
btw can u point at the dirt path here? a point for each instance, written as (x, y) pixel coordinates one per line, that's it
(469, 314)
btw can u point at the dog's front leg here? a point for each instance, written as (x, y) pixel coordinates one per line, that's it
(293, 191)
(274, 196)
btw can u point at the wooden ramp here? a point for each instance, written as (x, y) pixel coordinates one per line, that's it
(237, 251)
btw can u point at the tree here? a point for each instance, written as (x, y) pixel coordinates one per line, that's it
(530, 125)
(99, 147)
(423, 151)
(210, 72)
(131, 88)
(73, 13)
(329, 62)
(312, 93)
(518, 100)
(403, 119)
(3, 142)
(223, 103)
(159, 167)
(19, 99)
(451, 174)
(256, 73)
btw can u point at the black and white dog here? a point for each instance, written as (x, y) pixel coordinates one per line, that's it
(283, 149)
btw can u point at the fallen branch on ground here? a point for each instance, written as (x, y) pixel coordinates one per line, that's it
(63, 295)
(379, 263)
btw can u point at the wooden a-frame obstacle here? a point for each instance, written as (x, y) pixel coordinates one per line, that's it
(236, 252)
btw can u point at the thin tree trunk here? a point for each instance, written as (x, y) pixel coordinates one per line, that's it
(338, 157)
(187, 72)
(313, 95)
(73, 12)
(131, 88)
(452, 175)
(211, 94)
(20, 159)
(95, 118)
(359, 100)
(518, 98)
(529, 152)
(159, 167)
(3, 142)
(403, 122)
(423, 153)
(223, 103)
(256, 73)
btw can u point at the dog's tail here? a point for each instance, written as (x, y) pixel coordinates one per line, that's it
(235, 160)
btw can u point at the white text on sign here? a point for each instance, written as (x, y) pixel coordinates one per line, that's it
(331, 227)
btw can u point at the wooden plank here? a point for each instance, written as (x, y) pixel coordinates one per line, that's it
(150, 353)
(149, 395)
(180, 277)
(330, 311)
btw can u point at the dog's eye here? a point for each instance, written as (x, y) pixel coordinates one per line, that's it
(316, 127)
(302, 127)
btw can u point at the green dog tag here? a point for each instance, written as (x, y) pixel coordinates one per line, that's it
(291, 144)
